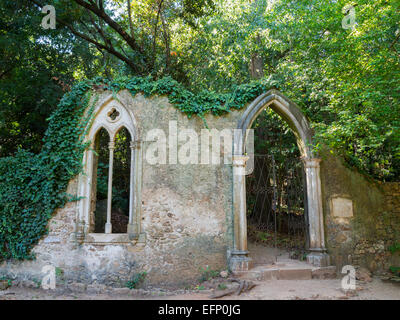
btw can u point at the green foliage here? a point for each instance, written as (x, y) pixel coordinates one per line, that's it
(395, 271)
(9, 281)
(199, 287)
(36, 68)
(208, 274)
(264, 236)
(102, 180)
(188, 102)
(347, 81)
(32, 186)
(222, 286)
(136, 280)
(273, 136)
(394, 248)
(59, 272)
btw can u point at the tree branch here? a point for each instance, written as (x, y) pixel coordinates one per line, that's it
(114, 25)
(99, 30)
(167, 43)
(2, 74)
(395, 40)
(155, 32)
(100, 46)
(130, 18)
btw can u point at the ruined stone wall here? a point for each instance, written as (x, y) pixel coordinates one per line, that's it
(362, 218)
(186, 217)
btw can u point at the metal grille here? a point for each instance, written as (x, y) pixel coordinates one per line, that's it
(275, 203)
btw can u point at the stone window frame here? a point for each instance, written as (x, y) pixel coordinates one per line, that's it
(87, 203)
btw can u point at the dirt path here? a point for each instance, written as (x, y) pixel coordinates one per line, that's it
(267, 290)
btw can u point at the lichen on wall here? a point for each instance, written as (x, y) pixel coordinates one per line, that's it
(363, 239)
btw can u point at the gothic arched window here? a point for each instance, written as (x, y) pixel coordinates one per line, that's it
(110, 185)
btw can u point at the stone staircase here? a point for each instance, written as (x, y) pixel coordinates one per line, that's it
(276, 265)
(287, 270)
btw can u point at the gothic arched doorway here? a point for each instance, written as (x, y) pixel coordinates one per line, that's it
(291, 114)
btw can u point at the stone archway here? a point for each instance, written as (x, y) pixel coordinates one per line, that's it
(239, 259)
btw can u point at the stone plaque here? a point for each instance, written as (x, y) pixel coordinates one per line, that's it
(52, 239)
(342, 207)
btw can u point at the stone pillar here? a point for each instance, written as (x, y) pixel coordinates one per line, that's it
(133, 225)
(141, 237)
(111, 147)
(317, 255)
(239, 259)
(82, 225)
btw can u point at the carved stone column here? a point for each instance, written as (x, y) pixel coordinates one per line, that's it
(133, 228)
(239, 259)
(138, 190)
(317, 255)
(111, 147)
(82, 225)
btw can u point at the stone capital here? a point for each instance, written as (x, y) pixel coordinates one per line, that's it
(311, 162)
(111, 145)
(239, 161)
(135, 144)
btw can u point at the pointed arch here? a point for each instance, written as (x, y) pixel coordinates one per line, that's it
(101, 117)
(291, 113)
(287, 110)
(101, 137)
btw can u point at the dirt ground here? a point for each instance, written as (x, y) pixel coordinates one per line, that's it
(266, 290)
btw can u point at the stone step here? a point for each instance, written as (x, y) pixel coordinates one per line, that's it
(264, 273)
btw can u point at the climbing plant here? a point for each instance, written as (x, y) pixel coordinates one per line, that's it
(32, 186)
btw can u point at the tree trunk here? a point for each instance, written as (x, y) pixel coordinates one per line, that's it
(256, 66)
(257, 61)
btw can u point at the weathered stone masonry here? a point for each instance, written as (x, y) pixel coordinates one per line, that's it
(185, 217)
(360, 237)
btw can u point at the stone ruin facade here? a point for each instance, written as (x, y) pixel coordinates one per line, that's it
(186, 217)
